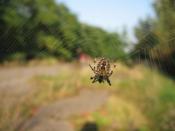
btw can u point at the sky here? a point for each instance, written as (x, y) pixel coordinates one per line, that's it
(111, 15)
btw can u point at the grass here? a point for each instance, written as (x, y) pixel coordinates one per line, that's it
(140, 98)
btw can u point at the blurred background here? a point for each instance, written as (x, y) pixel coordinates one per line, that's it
(46, 47)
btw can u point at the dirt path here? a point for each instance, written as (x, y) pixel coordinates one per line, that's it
(14, 81)
(11, 77)
(53, 117)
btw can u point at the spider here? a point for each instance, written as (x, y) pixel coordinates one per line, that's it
(102, 71)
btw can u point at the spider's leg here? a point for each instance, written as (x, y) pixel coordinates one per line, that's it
(107, 79)
(114, 66)
(91, 77)
(110, 73)
(94, 80)
(93, 69)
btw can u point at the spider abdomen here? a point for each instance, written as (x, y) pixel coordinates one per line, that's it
(102, 71)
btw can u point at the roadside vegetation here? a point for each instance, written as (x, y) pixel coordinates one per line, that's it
(46, 32)
(140, 98)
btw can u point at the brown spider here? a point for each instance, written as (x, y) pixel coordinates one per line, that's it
(102, 71)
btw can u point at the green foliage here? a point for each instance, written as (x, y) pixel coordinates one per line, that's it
(156, 37)
(147, 39)
(38, 26)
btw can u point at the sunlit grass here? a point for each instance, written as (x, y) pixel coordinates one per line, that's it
(139, 98)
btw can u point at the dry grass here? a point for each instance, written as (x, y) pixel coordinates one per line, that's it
(139, 98)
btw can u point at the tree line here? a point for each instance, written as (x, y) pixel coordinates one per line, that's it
(156, 37)
(43, 28)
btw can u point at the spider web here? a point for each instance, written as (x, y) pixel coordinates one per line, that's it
(140, 54)
(148, 60)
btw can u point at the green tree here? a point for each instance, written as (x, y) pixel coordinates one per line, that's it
(31, 28)
(156, 36)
